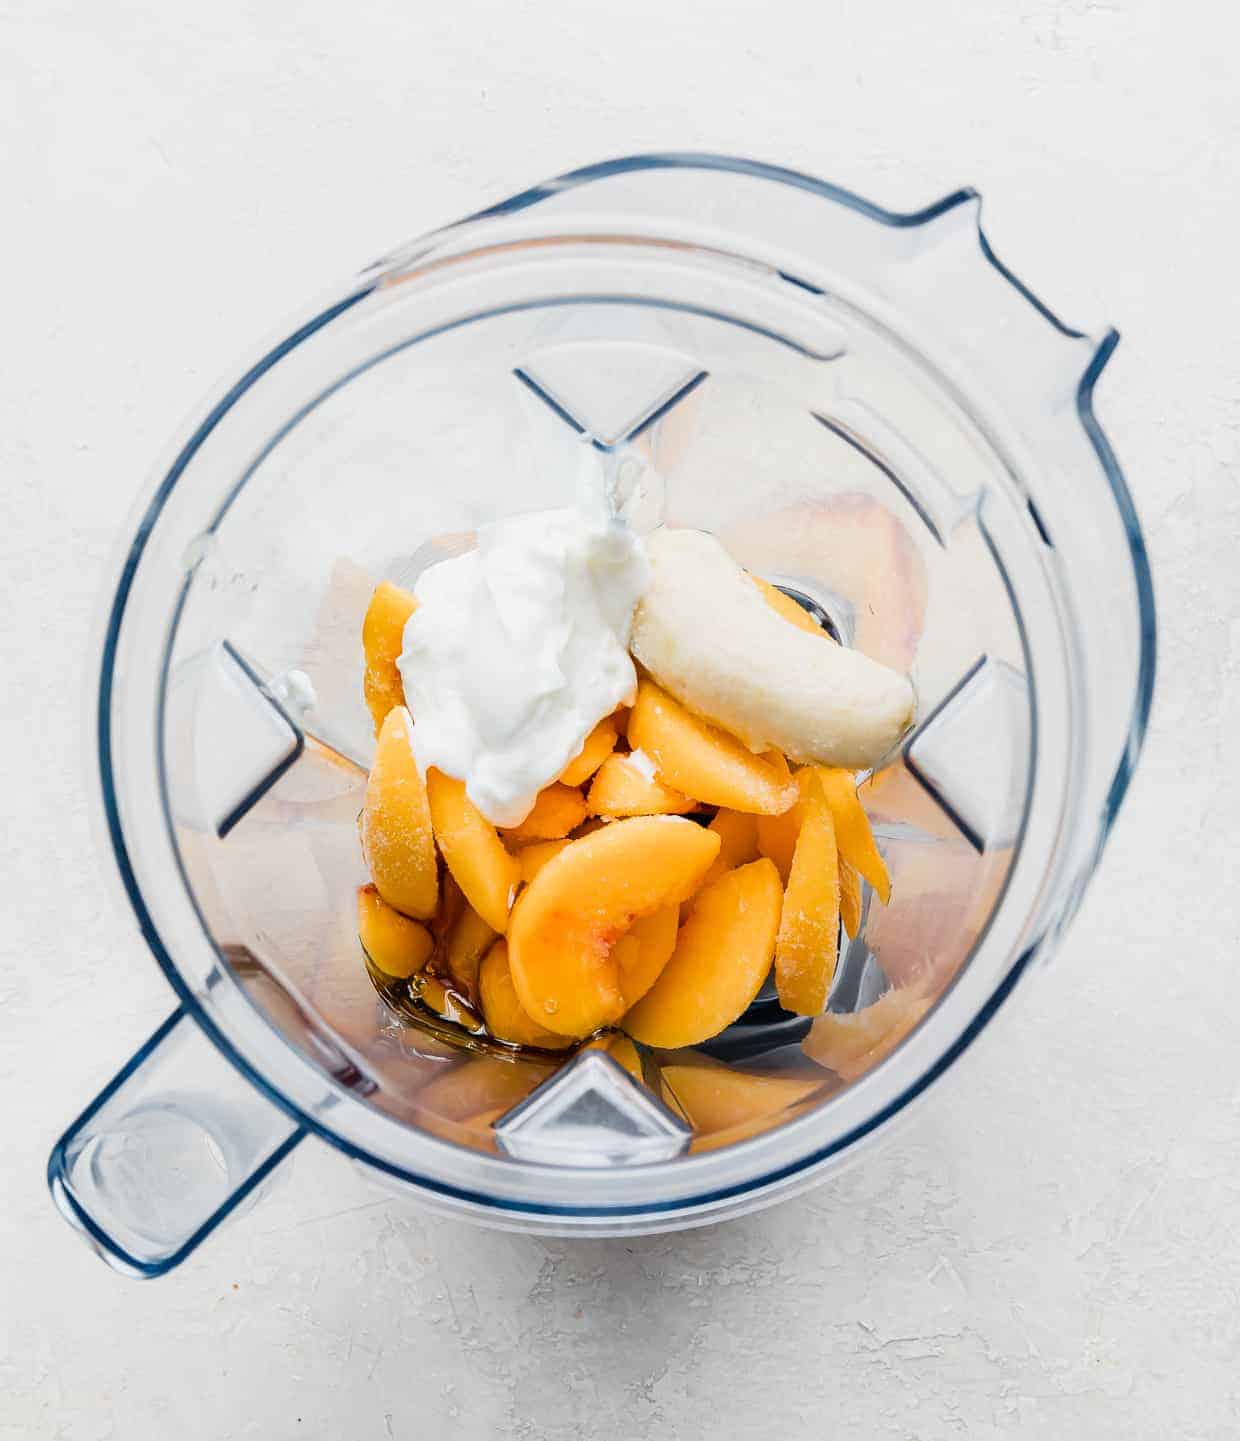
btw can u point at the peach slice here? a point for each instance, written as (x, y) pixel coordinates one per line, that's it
(850, 1045)
(536, 855)
(809, 924)
(566, 924)
(383, 639)
(716, 1097)
(618, 1046)
(777, 837)
(738, 834)
(556, 811)
(643, 951)
(506, 1019)
(787, 607)
(468, 942)
(717, 1140)
(722, 956)
(852, 829)
(623, 788)
(850, 897)
(394, 943)
(704, 761)
(598, 745)
(472, 850)
(451, 907)
(397, 840)
(481, 1083)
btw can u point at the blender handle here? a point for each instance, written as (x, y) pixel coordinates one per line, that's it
(170, 1147)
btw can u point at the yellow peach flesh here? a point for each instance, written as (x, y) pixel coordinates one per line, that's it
(703, 761)
(566, 924)
(396, 830)
(383, 639)
(472, 850)
(722, 956)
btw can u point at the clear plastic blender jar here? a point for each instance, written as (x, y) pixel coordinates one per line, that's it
(869, 410)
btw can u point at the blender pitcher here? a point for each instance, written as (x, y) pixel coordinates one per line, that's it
(868, 410)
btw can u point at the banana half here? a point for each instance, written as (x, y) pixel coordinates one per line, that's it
(705, 633)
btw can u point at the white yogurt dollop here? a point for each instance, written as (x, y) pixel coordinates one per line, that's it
(519, 648)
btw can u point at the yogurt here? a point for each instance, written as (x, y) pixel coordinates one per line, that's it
(520, 647)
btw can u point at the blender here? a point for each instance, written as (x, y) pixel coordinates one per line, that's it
(868, 410)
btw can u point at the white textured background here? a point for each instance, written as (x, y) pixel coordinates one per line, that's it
(1052, 1247)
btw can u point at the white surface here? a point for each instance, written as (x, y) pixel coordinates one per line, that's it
(1050, 1247)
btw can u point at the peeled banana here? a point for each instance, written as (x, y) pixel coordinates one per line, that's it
(706, 634)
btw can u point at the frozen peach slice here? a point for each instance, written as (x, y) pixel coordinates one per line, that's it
(715, 1097)
(567, 922)
(536, 855)
(623, 787)
(505, 1017)
(722, 956)
(643, 951)
(717, 1140)
(481, 1083)
(468, 942)
(599, 744)
(809, 924)
(556, 811)
(777, 837)
(622, 1050)
(704, 761)
(852, 829)
(394, 943)
(472, 850)
(849, 1045)
(383, 639)
(850, 897)
(397, 841)
(787, 607)
(738, 834)
(451, 906)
